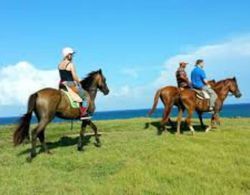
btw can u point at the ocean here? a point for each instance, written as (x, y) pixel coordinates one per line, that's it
(230, 110)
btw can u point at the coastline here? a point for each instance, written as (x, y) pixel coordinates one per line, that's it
(229, 111)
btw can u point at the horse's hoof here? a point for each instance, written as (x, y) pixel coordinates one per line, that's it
(30, 158)
(49, 152)
(98, 144)
(80, 148)
(33, 154)
(207, 130)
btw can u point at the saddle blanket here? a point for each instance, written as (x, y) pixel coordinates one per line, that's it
(201, 94)
(73, 103)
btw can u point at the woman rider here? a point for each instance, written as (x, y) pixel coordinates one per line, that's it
(70, 79)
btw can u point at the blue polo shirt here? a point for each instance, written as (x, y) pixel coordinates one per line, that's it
(197, 77)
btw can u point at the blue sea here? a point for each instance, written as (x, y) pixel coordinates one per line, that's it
(231, 111)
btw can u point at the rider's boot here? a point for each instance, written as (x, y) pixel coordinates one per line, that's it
(83, 113)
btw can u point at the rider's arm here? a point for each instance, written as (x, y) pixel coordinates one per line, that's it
(73, 70)
(203, 77)
(183, 77)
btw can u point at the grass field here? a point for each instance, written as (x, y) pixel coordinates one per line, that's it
(133, 159)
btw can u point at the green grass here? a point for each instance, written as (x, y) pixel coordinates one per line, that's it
(132, 160)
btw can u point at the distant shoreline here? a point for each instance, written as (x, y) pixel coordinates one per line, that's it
(229, 111)
(125, 110)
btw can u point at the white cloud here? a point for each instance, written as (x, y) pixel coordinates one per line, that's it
(131, 72)
(126, 97)
(223, 60)
(20, 80)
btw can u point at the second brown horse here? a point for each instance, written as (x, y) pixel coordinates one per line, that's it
(186, 99)
(191, 103)
(170, 96)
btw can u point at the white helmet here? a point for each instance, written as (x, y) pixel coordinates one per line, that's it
(66, 51)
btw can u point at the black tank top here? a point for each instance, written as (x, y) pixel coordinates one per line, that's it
(66, 75)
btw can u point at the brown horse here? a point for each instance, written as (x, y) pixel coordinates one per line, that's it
(192, 103)
(170, 96)
(48, 103)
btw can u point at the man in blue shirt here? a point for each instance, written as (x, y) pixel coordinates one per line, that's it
(198, 78)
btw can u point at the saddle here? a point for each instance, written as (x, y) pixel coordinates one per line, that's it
(72, 92)
(201, 94)
(73, 96)
(73, 103)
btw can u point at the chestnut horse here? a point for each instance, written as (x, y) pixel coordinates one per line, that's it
(48, 103)
(192, 103)
(170, 96)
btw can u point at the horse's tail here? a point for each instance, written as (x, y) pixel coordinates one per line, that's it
(22, 131)
(156, 99)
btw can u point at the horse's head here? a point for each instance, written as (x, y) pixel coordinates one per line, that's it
(95, 80)
(101, 82)
(233, 88)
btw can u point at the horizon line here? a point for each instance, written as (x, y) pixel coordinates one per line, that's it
(122, 110)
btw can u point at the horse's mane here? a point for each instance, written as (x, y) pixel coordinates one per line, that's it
(88, 80)
(222, 83)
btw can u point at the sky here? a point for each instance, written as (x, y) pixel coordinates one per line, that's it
(137, 44)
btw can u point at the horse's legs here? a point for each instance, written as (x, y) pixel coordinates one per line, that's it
(179, 118)
(40, 127)
(41, 135)
(93, 126)
(28, 135)
(33, 143)
(167, 111)
(201, 120)
(214, 119)
(170, 122)
(42, 140)
(208, 128)
(188, 120)
(217, 119)
(81, 137)
(218, 105)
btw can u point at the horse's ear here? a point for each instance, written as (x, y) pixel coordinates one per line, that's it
(234, 78)
(100, 71)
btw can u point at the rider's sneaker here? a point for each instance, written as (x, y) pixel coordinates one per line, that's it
(211, 110)
(85, 117)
